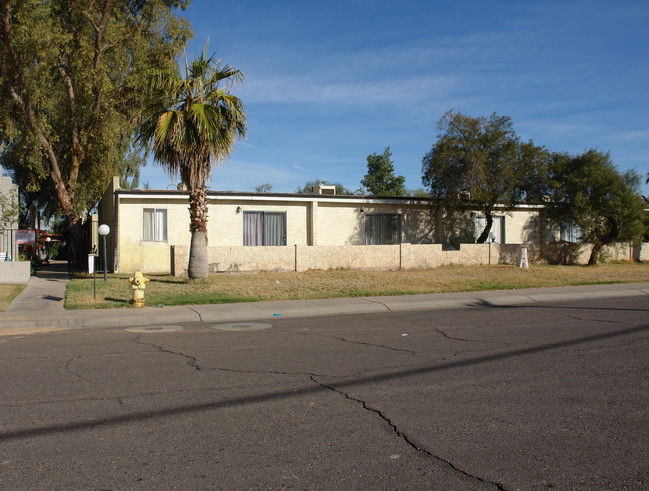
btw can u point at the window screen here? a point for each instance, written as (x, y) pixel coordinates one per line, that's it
(264, 228)
(155, 225)
(382, 229)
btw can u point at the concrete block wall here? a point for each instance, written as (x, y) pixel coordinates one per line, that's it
(15, 271)
(301, 257)
(383, 257)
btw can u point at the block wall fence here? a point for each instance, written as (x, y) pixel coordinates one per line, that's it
(390, 257)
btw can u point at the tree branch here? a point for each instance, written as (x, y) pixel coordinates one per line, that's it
(22, 100)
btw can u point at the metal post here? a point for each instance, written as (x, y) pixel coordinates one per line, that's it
(104, 230)
(105, 258)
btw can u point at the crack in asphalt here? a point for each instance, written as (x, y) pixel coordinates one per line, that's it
(200, 317)
(268, 372)
(465, 340)
(369, 300)
(583, 319)
(66, 369)
(362, 343)
(192, 361)
(405, 437)
(65, 401)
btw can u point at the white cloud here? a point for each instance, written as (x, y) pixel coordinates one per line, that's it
(286, 90)
(641, 136)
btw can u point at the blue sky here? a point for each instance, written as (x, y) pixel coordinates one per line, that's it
(328, 83)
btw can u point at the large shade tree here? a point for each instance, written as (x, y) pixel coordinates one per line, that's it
(478, 163)
(604, 204)
(191, 122)
(73, 77)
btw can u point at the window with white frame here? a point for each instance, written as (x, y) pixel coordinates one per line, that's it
(263, 228)
(382, 229)
(155, 225)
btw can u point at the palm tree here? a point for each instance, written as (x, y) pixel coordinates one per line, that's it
(191, 122)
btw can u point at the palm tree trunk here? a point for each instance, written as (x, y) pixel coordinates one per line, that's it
(198, 265)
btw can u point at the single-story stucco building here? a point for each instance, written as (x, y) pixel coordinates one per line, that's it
(286, 231)
(250, 231)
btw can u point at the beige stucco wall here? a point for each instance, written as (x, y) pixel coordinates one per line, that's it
(566, 253)
(418, 256)
(384, 257)
(224, 229)
(137, 254)
(225, 226)
(344, 223)
(303, 257)
(349, 257)
(522, 226)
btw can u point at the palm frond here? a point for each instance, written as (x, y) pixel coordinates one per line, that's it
(193, 120)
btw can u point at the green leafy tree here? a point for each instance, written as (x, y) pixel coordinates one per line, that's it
(267, 187)
(588, 191)
(309, 185)
(477, 163)
(73, 76)
(191, 121)
(417, 193)
(380, 179)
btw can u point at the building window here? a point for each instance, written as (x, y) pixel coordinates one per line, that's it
(497, 227)
(261, 228)
(155, 225)
(569, 232)
(382, 229)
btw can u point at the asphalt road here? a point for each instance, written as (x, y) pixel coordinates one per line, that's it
(519, 397)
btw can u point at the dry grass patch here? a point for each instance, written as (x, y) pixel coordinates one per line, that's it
(7, 293)
(228, 288)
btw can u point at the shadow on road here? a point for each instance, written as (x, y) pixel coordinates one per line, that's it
(271, 396)
(487, 304)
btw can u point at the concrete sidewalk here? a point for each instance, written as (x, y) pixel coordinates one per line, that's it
(45, 291)
(40, 305)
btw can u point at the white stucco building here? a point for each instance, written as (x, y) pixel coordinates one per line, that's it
(278, 231)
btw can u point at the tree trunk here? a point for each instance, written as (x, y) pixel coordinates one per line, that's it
(198, 266)
(594, 254)
(485, 233)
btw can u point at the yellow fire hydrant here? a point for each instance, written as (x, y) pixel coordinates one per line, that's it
(138, 283)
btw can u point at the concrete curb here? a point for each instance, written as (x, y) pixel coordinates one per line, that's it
(13, 321)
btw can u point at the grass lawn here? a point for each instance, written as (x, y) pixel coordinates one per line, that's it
(9, 291)
(228, 288)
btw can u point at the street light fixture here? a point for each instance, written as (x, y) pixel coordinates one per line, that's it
(104, 230)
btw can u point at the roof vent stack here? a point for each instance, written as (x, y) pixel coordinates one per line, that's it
(323, 189)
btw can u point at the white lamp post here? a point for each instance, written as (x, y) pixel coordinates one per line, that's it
(104, 230)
